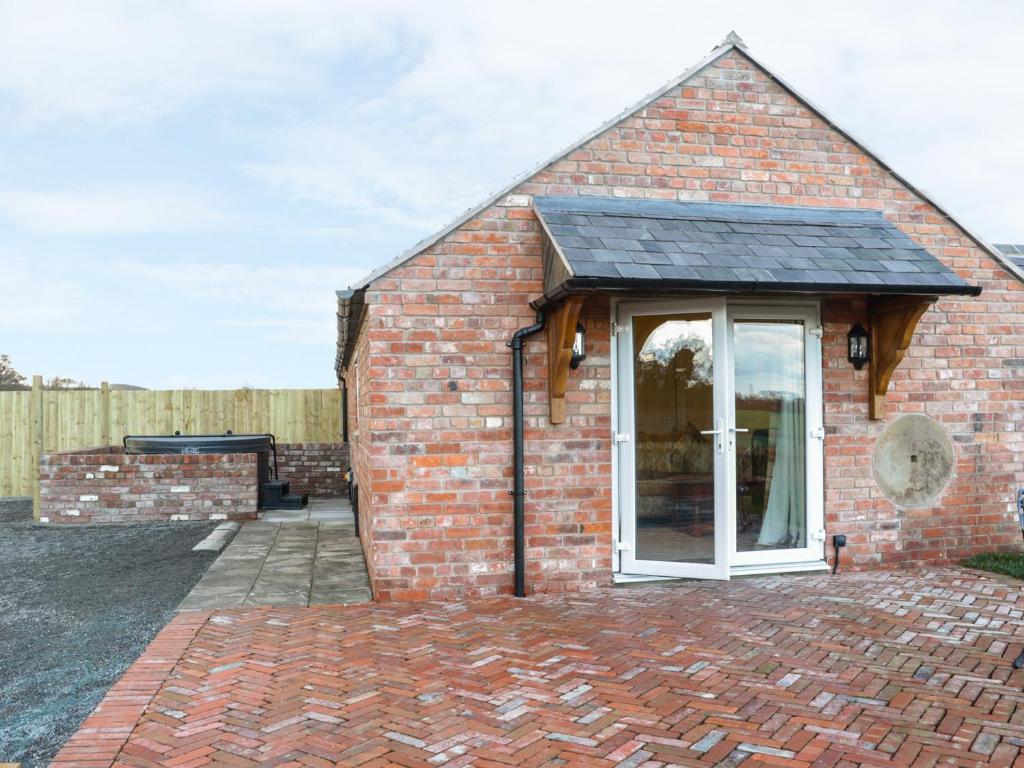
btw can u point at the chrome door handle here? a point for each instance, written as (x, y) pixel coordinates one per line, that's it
(719, 442)
(732, 437)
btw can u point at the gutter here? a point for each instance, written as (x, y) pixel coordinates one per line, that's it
(354, 304)
(660, 286)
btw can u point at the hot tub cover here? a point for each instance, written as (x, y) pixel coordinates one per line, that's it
(198, 443)
(598, 243)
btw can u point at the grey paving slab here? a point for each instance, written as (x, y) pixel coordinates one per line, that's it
(219, 538)
(321, 510)
(263, 599)
(295, 557)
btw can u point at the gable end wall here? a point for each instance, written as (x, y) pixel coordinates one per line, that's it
(437, 397)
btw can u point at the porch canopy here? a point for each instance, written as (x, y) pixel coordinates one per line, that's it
(610, 244)
(656, 247)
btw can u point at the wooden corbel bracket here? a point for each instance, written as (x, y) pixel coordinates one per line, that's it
(891, 323)
(561, 328)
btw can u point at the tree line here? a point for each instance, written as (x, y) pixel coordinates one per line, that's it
(10, 379)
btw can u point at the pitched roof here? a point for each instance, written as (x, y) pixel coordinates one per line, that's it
(612, 243)
(732, 42)
(1015, 253)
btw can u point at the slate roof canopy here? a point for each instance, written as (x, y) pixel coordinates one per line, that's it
(601, 244)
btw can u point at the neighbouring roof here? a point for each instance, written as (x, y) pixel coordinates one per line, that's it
(1014, 253)
(600, 243)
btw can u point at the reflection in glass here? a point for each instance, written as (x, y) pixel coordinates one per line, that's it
(673, 382)
(770, 454)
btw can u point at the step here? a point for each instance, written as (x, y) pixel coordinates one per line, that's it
(290, 501)
(278, 486)
(275, 495)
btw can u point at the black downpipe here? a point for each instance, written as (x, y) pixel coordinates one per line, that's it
(518, 491)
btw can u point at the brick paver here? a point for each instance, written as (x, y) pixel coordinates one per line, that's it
(875, 669)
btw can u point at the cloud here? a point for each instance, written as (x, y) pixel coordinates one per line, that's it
(404, 113)
(294, 304)
(34, 293)
(286, 135)
(175, 322)
(372, 166)
(120, 209)
(489, 93)
(117, 61)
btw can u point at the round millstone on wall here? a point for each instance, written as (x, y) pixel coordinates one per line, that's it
(913, 461)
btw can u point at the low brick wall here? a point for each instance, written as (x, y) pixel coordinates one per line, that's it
(106, 485)
(314, 468)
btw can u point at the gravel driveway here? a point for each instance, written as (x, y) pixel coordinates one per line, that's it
(77, 606)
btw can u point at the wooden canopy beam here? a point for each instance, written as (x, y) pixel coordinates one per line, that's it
(891, 323)
(561, 328)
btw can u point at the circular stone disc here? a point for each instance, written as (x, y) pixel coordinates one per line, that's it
(913, 461)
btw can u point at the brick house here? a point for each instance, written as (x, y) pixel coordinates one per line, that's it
(689, 294)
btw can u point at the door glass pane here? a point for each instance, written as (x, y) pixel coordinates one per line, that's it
(771, 510)
(675, 482)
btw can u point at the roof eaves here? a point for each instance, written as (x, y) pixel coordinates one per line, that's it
(1015, 270)
(430, 240)
(353, 302)
(578, 285)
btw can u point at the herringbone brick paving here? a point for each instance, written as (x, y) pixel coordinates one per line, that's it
(877, 669)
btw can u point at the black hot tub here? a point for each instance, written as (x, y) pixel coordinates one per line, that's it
(199, 444)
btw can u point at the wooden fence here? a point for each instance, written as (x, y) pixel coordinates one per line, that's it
(42, 421)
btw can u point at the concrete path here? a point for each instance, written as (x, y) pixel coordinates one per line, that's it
(301, 558)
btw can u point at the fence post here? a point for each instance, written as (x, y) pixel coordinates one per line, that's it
(104, 413)
(36, 417)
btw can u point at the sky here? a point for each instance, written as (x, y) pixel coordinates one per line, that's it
(184, 183)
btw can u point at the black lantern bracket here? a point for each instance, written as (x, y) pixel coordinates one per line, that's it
(579, 347)
(858, 346)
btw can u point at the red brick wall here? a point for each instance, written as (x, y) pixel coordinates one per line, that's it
(962, 369)
(106, 485)
(359, 398)
(435, 398)
(314, 468)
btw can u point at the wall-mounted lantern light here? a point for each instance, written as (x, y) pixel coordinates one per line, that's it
(858, 346)
(579, 349)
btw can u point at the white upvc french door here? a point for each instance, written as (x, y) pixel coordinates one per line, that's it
(718, 438)
(669, 362)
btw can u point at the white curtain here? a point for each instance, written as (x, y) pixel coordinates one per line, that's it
(785, 519)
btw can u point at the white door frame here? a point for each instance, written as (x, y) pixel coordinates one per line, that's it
(624, 440)
(814, 440)
(727, 560)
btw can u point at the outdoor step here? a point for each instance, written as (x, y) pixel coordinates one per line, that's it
(275, 496)
(277, 486)
(291, 501)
